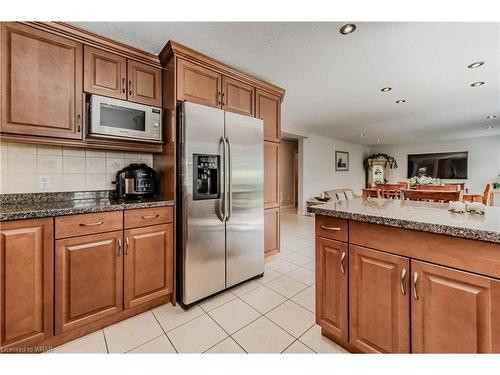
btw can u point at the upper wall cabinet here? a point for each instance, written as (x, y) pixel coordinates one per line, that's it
(198, 84)
(144, 83)
(268, 108)
(238, 97)
(41, 83)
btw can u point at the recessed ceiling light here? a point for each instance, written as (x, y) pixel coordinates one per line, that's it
(385, 89)
(361, 134)
(378, 140)
(490, 116)
(476, 65)
(400, 101)
(489, 127)
(479, 83)
(348, 29)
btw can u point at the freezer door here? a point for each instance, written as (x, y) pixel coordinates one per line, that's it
(245, 222)
(203, 232)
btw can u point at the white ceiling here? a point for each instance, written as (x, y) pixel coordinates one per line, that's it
(333, 81)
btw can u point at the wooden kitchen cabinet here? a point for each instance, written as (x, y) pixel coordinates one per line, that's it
(332, 273)
(271, 175)
(238, 97)
(198, 84)
(88, 279)
(144, 83)
(26, 282)
(104, 73)
(271, 231)
(148, 264)
(453, 311)
(41, 83)
(268, 108)
(379, 311)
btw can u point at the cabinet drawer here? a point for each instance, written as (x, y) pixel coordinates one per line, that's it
(148, 216)
(331, 227)
(79, 225)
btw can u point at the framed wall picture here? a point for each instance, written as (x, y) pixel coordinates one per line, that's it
(341, 161)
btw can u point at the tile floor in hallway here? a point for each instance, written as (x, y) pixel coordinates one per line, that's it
(273, 314)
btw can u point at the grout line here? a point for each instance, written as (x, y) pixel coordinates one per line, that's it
(144, 343)
(165, 332)
(105, 341)
(227, 333)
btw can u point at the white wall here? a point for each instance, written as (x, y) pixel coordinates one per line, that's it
(317, 155)
(483, 165)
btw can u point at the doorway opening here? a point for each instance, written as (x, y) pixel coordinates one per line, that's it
(289, 172)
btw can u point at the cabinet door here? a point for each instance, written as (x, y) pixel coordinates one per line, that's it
(144, 83)
(331, 286)
(89, 279)
(453, 311)
(42, 83)
(271, 231)
(198, 84)
(268, 108)
(26, 288)
(271, 175)
(104, 73)
(237, 97)
(379, 315)
(148, 263)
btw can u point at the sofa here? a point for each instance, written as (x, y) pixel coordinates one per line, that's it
(335, 195)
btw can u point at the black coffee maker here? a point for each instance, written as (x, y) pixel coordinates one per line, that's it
(136, 181)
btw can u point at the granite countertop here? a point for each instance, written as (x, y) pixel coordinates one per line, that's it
(38, 205)
(415, 215)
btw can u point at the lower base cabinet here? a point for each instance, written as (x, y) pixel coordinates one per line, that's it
(271, 231)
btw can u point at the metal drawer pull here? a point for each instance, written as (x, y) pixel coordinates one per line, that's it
(403, 274)
(329, 228)
(126, 245)
(150, 216)
(415, 279)
(123, 85)
(130, 87)
(119, 247)
(91, 224)
(342, 262)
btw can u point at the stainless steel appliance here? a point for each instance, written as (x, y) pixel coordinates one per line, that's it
(136, 181)
(220, 204)
(114, 118)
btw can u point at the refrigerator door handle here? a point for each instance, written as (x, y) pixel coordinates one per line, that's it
(221, 209)
(228, 177)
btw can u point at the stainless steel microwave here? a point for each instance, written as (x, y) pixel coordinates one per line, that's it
(119, 118)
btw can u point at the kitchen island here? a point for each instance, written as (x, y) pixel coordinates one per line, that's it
(407, 277)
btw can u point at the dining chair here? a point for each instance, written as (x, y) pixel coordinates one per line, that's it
(390, 191)
(487, 195)
(431, 195)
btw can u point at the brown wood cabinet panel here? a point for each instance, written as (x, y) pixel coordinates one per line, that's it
(104, 73)
(26, 287)
(148, 263)
(331, 286)
(271, 231)
(379, 310)
(268, 108)
(271, 175)
(198, 84)
(238, 97)
(144, 83)
(148, 216)
(89, 279)
(41, 83)
(332, 227)
(456, 312)
(79, 225)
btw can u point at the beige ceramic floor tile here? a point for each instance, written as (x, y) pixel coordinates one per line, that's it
(158, 345)
(306, 299)
(234, 315)
(302, 275)
(311, 266)
(298, 348)
(319, 343)
(131, 333)
(281, 266)
(228, 346)
(294, 257)
(292, 318)
(91, 344)
(197, 335)
(245, 287)
(263, 299)
(217, 301)
(171, 317)
(307, 251)
(269, 275)
(263, 336)
(286, 286)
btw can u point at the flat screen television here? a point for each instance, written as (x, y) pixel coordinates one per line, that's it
(444, 165)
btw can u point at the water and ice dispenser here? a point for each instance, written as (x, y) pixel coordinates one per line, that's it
(206, 175)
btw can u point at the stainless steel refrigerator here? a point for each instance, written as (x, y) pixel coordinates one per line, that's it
(220, 200)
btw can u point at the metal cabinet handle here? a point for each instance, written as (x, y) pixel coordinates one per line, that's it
(329, 228)
(218, 97)
(415, 279)
(126, 245)
(342, 257)
(119, 247)
(123, 85)
(150, 216)
(130, 87)
(403, 274)
(91, 224)
(78, 126)
(223, 103)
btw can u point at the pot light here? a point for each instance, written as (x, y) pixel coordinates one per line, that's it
(378, 140)
(348, 29)
(361, 134)
(490, 116)
(489, 127)
(476, 84)
(476, 65)
(385, 89)
(400, 101)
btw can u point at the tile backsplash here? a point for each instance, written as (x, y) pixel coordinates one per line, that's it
(24, 166)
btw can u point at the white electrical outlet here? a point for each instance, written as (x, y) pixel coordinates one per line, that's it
(44, 182)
